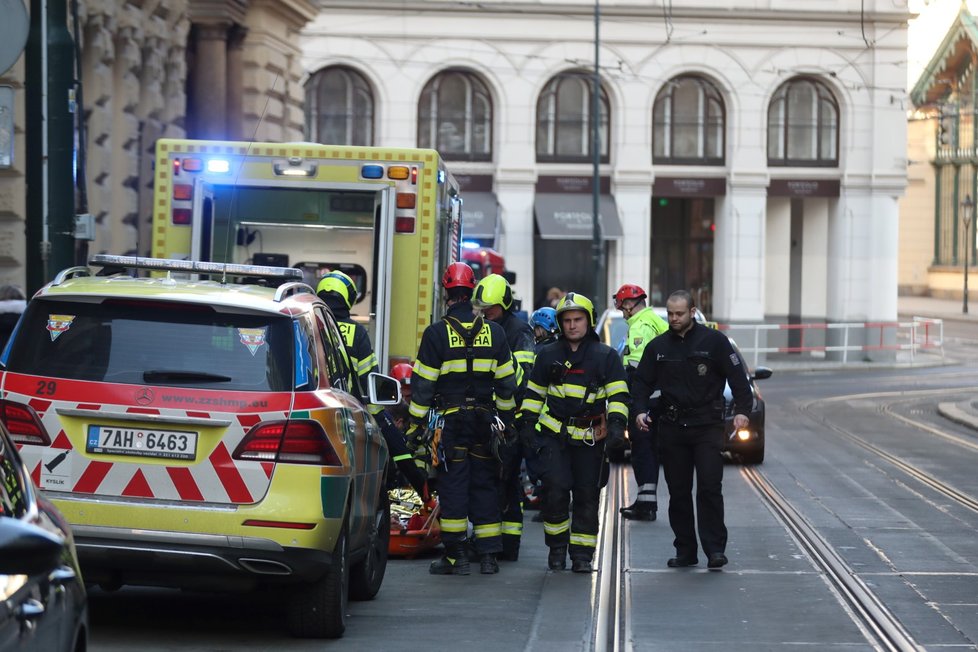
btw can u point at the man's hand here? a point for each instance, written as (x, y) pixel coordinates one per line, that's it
(740, 421)
(643, 421)
(616, 435)
(414, 434)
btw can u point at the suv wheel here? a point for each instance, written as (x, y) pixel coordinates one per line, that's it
(318, 610)
(367, 575)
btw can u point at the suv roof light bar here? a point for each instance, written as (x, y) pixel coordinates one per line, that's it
(194, 266)
(71, 272)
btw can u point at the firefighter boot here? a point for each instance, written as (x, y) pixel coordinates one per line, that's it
(557, 559)
(488, 564)
(640, 510)
(455, 561)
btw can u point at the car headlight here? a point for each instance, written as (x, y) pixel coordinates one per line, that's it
(743, 434)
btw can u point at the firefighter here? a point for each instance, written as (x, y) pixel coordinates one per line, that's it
(338, 291)
(578, 396)
(690, 366)
(543, 321)
(643, 326)
(463, 384)
(494, 297)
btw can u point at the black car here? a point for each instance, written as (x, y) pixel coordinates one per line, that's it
(746, 445)
(43, 603)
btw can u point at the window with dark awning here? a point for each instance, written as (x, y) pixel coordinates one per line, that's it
(568, 216)
(480, 215)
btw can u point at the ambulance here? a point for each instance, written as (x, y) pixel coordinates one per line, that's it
(390, 218)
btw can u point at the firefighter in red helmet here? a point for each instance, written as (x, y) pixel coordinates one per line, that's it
(462, 386)
(643, 326)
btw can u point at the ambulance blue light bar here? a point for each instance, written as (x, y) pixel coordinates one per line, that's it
(218, 165)
(194, 266)
(372, 171)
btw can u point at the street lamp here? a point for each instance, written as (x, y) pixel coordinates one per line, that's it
(967, 208)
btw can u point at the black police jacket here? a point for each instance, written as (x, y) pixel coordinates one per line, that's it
(690, 371)
(441, 375)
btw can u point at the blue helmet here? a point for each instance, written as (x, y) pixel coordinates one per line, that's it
(545, 318)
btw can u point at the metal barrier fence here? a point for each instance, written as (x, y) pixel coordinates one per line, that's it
(923, 333)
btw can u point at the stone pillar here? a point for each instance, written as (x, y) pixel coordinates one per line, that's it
(235, 79)
(515, 192)
(210, 81)
(631, 264)
(738, 250)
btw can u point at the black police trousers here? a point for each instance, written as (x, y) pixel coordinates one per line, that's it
(571, 468)
(468, 482)
(685, 451)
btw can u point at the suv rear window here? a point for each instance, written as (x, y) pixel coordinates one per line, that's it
(154, 343)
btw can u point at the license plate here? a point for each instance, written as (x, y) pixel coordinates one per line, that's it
(169, 444)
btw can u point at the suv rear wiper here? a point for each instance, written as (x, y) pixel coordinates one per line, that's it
(183, 376)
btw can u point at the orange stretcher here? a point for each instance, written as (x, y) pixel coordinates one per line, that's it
(415, 527)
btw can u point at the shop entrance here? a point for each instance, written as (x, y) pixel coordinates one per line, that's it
(682, 249)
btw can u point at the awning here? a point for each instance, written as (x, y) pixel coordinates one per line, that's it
(480, 215)
(568, 216)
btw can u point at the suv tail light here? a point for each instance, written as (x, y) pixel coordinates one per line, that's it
(297, 441)
(23, 424)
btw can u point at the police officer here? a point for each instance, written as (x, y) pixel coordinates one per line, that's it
(643, 326)
(543, 321)
(338, 291)
(494, 297)
(689, 365)
(464, 373)
(578, 396)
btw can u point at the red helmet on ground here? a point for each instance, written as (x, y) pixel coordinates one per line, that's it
(402, 372)
(628, 291)
(458, 275)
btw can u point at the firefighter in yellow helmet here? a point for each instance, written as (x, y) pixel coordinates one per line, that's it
(494, 297)
(339, 292)
(578, 396)
(463, 382)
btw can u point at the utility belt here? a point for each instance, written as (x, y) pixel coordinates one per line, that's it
(698, 415)
(587, 430)
(462, 404)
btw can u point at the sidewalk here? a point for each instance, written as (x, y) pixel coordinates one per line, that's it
(946, 309)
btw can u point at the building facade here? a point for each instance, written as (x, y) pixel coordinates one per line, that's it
(938, 241)
(752, 152)
(151, 69)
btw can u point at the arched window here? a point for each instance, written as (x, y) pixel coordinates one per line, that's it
(688, 123)
(455, 116)
(803, 125)
(564, 120)
(339, 107)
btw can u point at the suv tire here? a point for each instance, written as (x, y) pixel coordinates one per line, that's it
(318, 609)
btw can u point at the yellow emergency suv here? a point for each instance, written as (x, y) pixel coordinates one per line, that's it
(203, 434)
(390, 218)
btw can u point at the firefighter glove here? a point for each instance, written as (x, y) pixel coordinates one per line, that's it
(616, 434)
(528, 431)
(414, 434)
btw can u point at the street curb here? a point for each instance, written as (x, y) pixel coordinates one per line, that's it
(952, 412)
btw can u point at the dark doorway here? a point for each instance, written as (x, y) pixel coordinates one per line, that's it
(682, 249)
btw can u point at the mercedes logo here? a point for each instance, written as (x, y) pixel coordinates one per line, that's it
(144, 396)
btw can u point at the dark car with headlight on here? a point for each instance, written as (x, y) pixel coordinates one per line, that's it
(746, 444)
(43, 605)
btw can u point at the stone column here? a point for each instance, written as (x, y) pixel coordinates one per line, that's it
(738, 250)
(210, 85)
(235, 80)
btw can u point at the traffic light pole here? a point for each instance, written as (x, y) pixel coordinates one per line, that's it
(50, 225)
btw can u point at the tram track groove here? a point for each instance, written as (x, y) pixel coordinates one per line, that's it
(877, 622)
(607, 609)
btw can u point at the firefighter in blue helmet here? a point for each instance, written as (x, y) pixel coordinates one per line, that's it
(461, 400)
(578, 396)
(338, 291)
(494, 297)
(543, 321)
